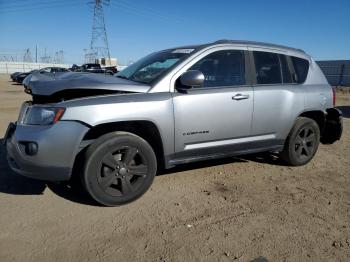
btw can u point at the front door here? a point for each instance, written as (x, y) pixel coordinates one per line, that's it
(217, 116)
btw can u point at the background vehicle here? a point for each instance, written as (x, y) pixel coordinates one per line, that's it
(13, 75)
(20, 77)
(43, 71)
(95, 68)
(52, 70)
(174, 107)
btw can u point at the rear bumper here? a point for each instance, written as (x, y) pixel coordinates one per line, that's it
(57, 147)
(333, 127)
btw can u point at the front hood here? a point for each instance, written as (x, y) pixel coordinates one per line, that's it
(52, 83)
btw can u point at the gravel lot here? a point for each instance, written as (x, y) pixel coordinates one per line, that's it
(239, 209)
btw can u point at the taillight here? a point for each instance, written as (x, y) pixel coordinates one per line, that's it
(334, 95)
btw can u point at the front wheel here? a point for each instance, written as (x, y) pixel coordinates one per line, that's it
(302, 142)
(119, 168)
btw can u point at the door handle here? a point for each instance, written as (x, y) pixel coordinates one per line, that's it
(240, 97)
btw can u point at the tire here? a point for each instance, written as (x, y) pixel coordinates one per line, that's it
(302, 142)
(119, 168)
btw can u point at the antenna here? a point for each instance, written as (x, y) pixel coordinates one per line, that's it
(99, 44)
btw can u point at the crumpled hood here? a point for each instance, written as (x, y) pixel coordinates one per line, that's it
(51, 83)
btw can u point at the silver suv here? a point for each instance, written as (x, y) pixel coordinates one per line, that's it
(173, 107)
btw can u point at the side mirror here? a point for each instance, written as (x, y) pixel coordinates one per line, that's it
(192, 78)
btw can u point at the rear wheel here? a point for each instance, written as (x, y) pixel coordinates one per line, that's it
(119, 168)
(302, 142)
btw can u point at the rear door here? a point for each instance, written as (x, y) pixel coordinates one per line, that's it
(277, 100)
(216, 117)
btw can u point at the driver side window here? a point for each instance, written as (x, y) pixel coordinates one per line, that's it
(222, 68)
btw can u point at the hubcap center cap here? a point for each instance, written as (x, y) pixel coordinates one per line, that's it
(122, 171)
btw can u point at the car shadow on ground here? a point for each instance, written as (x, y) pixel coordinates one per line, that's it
(12, 183)
(345, 110)
(74, 191)
(260, 259)
(14, 91)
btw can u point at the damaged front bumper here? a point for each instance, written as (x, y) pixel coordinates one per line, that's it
(44, 152)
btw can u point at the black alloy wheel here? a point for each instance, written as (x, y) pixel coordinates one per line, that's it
(302, 142)
(119, 168)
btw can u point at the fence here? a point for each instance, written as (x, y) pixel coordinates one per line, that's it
(337, 72)
(11, 67)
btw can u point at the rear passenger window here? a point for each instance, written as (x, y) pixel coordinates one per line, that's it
(222, 68)
(267, 67)
(301, 67)
(286, 74)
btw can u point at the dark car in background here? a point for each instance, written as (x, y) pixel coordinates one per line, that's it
(13, 75)
(21, 76)
(53, 70)
(43, 71)
(95, 68)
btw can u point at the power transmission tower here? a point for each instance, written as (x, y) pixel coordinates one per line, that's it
(27, 56)
(46, 58)
(99, 44)
(59, 57)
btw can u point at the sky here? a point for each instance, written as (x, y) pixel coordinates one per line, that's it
(136, 28)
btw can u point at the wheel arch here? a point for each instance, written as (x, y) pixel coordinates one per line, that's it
(143, 128)
(318, 116)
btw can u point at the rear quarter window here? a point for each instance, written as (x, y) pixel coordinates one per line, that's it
(301, 67)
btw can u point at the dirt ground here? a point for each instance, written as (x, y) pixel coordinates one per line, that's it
(239, 209)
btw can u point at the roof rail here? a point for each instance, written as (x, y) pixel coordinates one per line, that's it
(244, 42)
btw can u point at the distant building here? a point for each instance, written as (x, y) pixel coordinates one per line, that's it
(107, 62)
(337, 72)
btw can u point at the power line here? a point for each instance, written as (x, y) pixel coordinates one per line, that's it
(40, 6)
(163, 14)
(26, 4)
(149, 13)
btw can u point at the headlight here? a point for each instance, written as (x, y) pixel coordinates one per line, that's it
(43, 115)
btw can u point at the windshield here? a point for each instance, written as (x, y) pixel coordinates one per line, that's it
(152, 67)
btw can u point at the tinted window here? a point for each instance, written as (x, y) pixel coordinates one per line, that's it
(286, 74)
(267, 66)
(222, 68)
(301, 67)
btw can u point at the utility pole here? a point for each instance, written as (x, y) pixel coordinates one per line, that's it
(36, 53)
(99, 43)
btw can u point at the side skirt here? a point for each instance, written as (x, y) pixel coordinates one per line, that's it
(220, 152)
